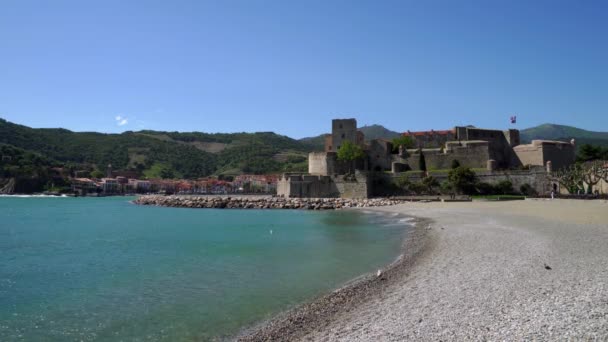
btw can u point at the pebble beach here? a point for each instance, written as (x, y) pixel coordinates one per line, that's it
(519, 270)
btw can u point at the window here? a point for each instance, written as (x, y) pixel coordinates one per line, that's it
(340, 126)
(343, 135)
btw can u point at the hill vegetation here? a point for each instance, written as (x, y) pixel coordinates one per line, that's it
(564, 133)
(371, 132)
(30, 153)
(169, 154)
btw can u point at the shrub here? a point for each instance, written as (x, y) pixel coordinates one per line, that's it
(430, 182)
(527, 190)
(404, 182)
(446, 187)
(504, 187)
(463, 180)
(455, 164)
(418, 188)
(484, 188)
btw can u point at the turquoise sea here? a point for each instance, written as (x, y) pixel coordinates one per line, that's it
(103, 269)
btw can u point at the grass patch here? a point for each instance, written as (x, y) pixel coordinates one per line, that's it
(499, 197)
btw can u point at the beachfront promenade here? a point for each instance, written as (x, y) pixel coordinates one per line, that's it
(521, 270)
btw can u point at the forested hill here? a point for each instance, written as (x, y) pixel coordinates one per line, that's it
(153, 153)
(561, 132)
(194, 154)
(370, 132)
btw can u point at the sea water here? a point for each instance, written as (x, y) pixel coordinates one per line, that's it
(104, 269)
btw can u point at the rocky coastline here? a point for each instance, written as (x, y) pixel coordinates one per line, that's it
(262, 202)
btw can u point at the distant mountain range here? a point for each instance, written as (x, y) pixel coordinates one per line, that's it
(565, 133)
(28, 150)
(544, 131)
(371, 132)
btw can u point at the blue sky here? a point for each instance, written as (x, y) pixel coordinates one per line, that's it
(291, 66)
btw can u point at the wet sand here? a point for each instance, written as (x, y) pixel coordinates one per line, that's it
(534, 270)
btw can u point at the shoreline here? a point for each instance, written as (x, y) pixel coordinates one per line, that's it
(311, 315)
(522, 270)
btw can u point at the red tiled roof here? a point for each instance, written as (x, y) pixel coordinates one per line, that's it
(420, 133)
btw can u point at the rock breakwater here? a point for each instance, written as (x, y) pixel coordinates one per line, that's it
(262, 202)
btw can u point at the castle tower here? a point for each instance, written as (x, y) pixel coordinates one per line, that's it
(342, 130)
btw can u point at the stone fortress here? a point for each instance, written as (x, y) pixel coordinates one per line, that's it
(495, 155)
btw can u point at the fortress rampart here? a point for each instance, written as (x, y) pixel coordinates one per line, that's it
(311, 186)
(482, 149)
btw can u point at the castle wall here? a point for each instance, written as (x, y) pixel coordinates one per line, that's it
(537, 178)
(560, 154)
(328, 142)
(500, 143)
(318, 163)
(327, 164)
(431, 139)
(308, 186)
(512, 136)
(380, 155)
(473, 154)
(358, 188)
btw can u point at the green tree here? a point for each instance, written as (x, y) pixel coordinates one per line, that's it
(97, 174)
(429, 183)
(404, 182)
(350, 152)
(404, 140)
(588, 152)
(463, 180)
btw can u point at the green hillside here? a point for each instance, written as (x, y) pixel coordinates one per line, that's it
(371, 132)
(188, 155)
(565, 133)
(378, 132)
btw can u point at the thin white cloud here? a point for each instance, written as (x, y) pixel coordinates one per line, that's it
(121, 121)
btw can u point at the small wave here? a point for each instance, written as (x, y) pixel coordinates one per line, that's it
(394, 224)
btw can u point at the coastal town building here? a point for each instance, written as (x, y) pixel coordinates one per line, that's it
(262, 184)
(256, 183)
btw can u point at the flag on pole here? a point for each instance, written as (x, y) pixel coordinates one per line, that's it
(513, 119)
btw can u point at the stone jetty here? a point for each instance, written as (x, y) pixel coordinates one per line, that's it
(247, 202)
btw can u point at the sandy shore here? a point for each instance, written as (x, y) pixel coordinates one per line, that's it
(531, 270)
